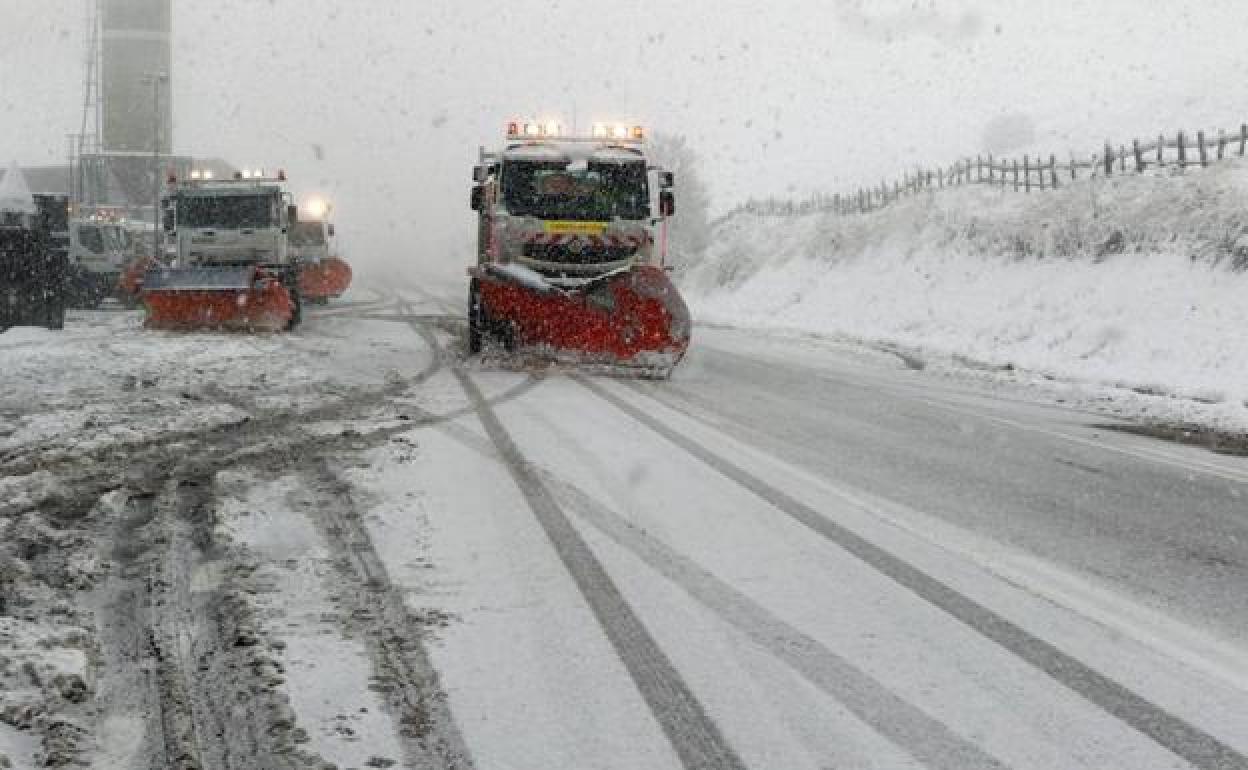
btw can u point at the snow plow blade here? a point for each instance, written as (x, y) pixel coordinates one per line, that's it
(324, 280)
(212, 298)
(633, 321)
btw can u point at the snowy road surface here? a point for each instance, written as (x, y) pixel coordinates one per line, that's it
(351, 547)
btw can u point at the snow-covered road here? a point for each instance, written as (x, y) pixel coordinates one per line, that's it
(351, 547)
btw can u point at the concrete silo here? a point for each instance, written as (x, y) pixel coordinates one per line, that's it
(135, 43)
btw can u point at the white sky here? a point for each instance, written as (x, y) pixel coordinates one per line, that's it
(796, 95)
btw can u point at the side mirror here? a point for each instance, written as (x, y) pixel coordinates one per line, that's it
(478, 198)
(667, 203)
(667, 180)
(292, 214)
(330, 230)
(478, 174)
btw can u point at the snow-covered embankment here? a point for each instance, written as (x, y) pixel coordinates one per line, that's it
(1139, 282)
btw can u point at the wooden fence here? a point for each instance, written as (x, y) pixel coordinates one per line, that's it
(1023, 174)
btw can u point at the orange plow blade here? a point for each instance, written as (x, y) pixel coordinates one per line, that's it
(228, 298)
(324, 280)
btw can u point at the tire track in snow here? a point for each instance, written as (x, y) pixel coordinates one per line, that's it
(424, 723)
(1179, 736)
(925, 738)
(696, 739)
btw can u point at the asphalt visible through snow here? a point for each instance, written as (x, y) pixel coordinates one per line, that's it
(793, 554)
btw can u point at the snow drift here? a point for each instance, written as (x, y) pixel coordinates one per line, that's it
(1137, 281)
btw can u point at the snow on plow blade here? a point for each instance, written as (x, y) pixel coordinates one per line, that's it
(325, 279)
(234, 298)
(634, 319)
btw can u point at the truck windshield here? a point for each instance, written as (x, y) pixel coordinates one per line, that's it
(91, 238)
(601, 191)
(304, 234)
(227, 212)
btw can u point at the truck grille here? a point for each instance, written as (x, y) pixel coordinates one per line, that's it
(576, 254)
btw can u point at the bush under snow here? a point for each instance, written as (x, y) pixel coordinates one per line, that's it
(1139, 281)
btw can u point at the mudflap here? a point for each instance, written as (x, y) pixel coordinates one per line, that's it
(629, 320)
(225, 298)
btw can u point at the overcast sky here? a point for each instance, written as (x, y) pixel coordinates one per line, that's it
(382, 104)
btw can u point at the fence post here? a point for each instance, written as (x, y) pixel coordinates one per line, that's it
(1204, 154)
(1027, 173)
(1016, 175)
(1109, 159)
(940, 175)
(1074, 167)
(1139, 156)
(1182, 152)
(1243, 138)
(1161, 150)
(1053, 169)
(1221, 143)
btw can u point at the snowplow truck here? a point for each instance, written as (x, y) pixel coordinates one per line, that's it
(571, 251)
(322, 274)
(233, 268)
(99, 251)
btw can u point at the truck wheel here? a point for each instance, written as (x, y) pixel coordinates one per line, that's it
(507, 332)
(476, 320)
(296, 311)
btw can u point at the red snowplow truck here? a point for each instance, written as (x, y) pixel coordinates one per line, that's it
(571, 251)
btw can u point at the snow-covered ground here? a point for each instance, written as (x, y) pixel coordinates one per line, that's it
(1135, 284)
(353, 547)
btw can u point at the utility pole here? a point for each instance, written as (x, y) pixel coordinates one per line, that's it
(156, 80)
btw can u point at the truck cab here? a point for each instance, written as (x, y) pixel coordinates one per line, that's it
(309, 240)
(571, 208)
(241, 221)
(101, 248)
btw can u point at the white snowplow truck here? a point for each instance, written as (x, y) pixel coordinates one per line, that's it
(100, 250)
(234, 267)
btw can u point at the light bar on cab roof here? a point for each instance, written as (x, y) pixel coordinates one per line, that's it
(534, 130)
(619, 131)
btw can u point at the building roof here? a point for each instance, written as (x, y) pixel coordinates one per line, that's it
(45, 180)
(54, 180)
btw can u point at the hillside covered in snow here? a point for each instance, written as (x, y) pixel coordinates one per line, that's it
(1139, 282)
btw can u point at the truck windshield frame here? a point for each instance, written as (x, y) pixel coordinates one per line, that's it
(227, 212)
(551, 190)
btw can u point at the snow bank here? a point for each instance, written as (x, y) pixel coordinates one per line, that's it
(1133, 281)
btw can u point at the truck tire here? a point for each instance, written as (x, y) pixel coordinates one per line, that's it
(296, 314)
(290, 279)
(476, 320)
